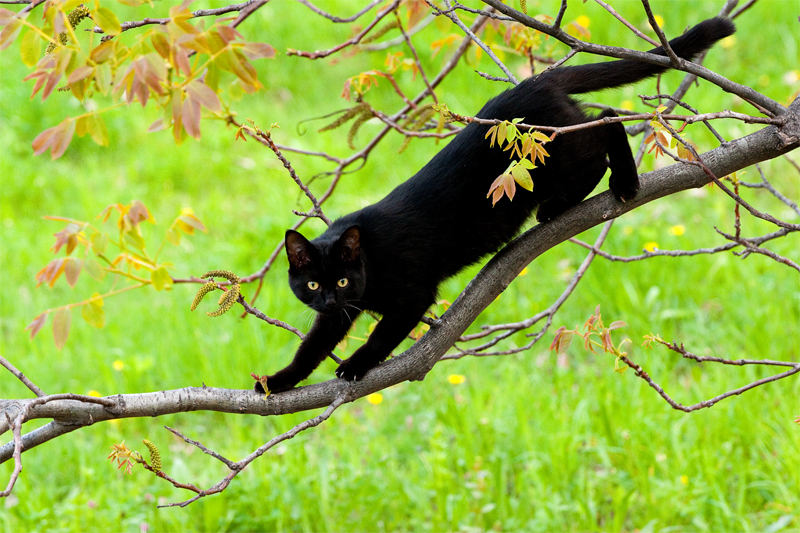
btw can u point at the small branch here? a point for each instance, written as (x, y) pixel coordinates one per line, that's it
(457, 21)
(560, 16)
(626, 23)
(757, 249)
(20, 376)
(680, 253)
(273, 321)
(416, 57)
(230, 464)
(259, 134)
(336, 19)
(195, 14)
(355, 40)
(673, 58)
(241, 465)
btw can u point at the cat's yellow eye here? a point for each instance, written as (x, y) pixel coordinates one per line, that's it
(342, 282)
(313, 285)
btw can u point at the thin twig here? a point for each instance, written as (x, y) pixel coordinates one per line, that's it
(20, 376)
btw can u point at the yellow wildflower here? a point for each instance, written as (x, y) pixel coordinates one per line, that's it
(678, 230)
(93, 393)
(456, 379)
(118, 365)
(375, 398)
(651, 246)
(685, 479)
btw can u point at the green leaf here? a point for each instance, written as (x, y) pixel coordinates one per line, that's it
(107, 20)
(61, 323)
(99, 242)
(161, 279)
(501, 133)
(93, 312)
(94, 269)
(30, 48)
(522, 177)
(174, 236)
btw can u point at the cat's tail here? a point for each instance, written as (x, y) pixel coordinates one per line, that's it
(597, 76)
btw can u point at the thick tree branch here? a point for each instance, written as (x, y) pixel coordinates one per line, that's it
(417, 361)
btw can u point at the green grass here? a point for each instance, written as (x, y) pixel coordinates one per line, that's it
(522, 444)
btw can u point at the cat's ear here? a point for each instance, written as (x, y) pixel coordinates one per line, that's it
(349, 244)
(298, 249)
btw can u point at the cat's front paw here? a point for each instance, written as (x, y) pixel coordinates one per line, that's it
(352, 369)
(274, 384)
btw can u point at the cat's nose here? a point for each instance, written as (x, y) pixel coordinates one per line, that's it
(330, 302)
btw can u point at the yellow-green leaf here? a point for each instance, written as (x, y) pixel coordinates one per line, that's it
(30, 48)
(72, 269)
(93, 312)
(522, 176)
(161, 279)
(107, 20)
(94, 269)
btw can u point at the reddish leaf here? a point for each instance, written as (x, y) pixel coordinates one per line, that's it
(43, 141)
(9, 33)
(68, 236)
(138, 213)
(258, 50)
(187, 217)
(191, 117)
(61, 322)
(72, 269)
(79, 74)
(228, 34)
(50, 273)
(62, 139)
(202, 94)
(617, 324)
(37, 324)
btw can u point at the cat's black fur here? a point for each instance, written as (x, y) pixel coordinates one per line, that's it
(391, 256)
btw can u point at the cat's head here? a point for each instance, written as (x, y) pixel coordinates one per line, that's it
(328, 274)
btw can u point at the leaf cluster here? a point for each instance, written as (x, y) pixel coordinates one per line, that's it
(527, 146)
(178, 65)
(595, 335)
(99, 252)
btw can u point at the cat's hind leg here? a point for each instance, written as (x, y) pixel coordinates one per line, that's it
(624, 179)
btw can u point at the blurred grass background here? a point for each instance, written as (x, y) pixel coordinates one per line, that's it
(522, 443)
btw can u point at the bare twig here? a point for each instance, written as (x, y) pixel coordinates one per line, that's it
(336, 19)
(241, 465)
(626, 23)
(350, 42)
(457, 21)
(20, 376)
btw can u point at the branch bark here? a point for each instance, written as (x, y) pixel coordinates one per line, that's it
(418, 360)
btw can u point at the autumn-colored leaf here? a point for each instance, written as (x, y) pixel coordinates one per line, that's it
(72, 269)
(255, 51)
(187, 218)
(61, 323)
(103, 52)
(37, 324)
(190, 117)
(10, 32)
(138, 213)
(202, 94)
(562, 340)
(50, 273)
(79, 74)
(617, 324)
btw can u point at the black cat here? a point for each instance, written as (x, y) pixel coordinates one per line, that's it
(391, 256)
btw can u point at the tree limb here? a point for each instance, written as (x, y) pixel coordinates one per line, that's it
(418, 360)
